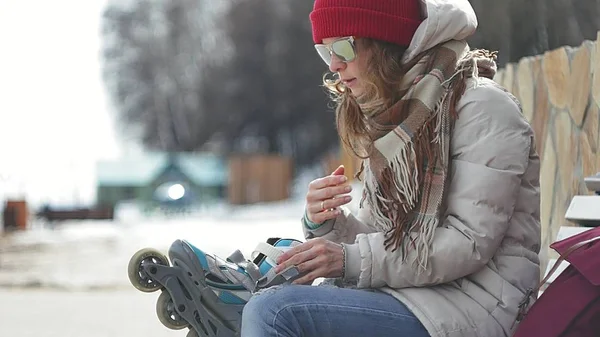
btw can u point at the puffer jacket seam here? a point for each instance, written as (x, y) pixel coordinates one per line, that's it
(514, 206)
(366, 255)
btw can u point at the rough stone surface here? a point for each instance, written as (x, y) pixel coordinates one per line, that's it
(559, 209)
(565, 147)
(558, 215)
(508, 78)
(526, 87)
(588, 158)
(536, 65)
(575, 160)
(580, 82)
(596, 71)
(542, 116)
(591, 124)
(560, 98)
(556, 72)
(547, 184)
(499, 77)
(577, 184)
(598, 162)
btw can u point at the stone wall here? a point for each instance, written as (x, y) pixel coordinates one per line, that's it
(560, 95)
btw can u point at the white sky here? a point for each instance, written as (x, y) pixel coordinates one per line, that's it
(54, 115)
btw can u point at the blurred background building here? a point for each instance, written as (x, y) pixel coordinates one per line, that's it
(176, 181)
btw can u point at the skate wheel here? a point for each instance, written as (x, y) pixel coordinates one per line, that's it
(138, 276)
(167, 315)
(192, 333)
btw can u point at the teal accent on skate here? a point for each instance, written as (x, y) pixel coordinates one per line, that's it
(265, 267)
(200, 254)
(229, 298)
(283, 243)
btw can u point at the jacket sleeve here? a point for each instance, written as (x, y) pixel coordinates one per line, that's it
(343, 229)
(490, 153)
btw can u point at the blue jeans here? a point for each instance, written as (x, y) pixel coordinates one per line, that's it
(319, 311)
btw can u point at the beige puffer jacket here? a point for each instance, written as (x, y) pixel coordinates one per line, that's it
(485, 255)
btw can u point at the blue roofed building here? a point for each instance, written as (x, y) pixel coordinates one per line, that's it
(163, 180)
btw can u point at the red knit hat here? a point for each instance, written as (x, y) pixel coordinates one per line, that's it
(388, 20)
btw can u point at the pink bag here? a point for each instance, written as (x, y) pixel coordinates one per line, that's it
(570, 306)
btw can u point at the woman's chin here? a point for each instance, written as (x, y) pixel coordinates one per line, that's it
(356, 92)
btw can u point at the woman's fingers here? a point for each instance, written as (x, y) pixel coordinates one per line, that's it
(307, 266)
(314, 258)
(337, 202)
(328, 193)
(329, 204)
(339, 171)
(324, 216)
(327, 181)
(296, 256)
(325, 208)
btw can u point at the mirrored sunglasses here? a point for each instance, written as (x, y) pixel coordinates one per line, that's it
(342, 48)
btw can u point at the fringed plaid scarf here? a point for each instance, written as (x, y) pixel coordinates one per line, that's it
(405, 175)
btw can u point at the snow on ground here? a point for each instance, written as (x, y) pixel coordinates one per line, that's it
(84, 255)
(94, 254)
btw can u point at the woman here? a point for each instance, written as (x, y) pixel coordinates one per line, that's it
(447, 237)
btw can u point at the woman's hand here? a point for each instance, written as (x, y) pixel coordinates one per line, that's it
(314, 258)
(325, 195)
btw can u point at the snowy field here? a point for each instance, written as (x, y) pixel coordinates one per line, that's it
(89, 255)
(71, 280)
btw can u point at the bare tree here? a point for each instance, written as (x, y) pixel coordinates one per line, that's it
(153, 66)
(270, 87)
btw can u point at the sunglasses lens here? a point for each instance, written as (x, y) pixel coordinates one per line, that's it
(324, 53)
(344, 50)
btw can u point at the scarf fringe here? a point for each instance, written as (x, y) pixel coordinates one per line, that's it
(427, 234)
(393, 199)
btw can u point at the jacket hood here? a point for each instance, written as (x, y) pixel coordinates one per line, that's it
(445, 20)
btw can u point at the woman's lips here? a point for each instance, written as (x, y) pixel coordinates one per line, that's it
(350, 82)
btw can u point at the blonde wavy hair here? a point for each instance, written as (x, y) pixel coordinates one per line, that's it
(382, 82)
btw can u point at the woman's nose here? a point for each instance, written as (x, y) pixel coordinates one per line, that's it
(336, 64)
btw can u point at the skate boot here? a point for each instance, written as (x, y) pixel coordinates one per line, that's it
(204, 292)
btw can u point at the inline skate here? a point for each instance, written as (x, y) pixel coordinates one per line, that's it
(203, 292)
